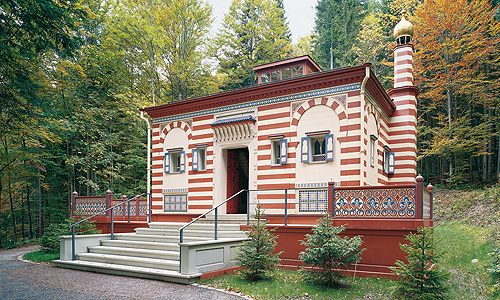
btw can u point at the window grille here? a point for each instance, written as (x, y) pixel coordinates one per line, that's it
(313, 201)
(175, 203)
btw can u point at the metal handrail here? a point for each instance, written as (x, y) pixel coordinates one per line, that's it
(99, 213)
(181, 230)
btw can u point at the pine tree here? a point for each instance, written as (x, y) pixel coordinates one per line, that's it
(254, 32)
(327, 254)
(256, 254)
(337, 25)
(419, 278)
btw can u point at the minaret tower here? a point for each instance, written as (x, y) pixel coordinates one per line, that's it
(403, 122)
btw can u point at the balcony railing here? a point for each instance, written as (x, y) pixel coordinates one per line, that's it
(138, 209)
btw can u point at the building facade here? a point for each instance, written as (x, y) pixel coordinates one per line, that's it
(299, 128)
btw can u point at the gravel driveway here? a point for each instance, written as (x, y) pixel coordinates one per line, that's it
(22, 280)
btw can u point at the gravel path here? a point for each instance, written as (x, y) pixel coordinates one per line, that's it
(22, 280)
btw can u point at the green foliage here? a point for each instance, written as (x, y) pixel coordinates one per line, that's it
(327, 254)
(288, 284)
(494, 270)
(50, 240)
(254, 33)
(256, 255)
(419, 278)
(337, 25)
(41, 256)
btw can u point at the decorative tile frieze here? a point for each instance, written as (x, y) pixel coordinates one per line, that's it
(274, 100)
(180, 190)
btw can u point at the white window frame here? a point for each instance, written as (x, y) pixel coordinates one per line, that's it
(279, 150)
(307, 145)
(389, 161)
(199, 158)
(174, 161)
(373, 150)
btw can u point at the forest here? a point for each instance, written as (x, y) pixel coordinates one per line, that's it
(74, 74)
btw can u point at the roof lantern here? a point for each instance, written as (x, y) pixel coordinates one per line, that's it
(403, 32)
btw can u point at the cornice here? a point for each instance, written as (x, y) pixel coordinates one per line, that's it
(310, 82)
(378, 93)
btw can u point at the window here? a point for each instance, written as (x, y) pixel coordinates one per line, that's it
(199, 157)
(317, 147)
(297, 71)
(279, 151)
(265, 77)
(373, 150)
(286, 73)
(313, 201)
(389, 161)
(276, 75)
(175, 203)
(174, 161)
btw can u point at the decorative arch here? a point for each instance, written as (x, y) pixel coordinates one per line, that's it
(175, 124)
(331, 102)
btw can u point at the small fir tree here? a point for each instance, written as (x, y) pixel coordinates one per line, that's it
(328, 254)
(419, 279)
(256, 254)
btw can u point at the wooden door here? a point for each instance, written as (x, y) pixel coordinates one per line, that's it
(233, 178)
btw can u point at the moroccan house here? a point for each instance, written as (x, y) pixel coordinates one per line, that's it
(302, 142)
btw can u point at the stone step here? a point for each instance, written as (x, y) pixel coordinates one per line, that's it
(135, 252)
(227, 219)
(141, 245)
(144, 262)
(194, 226)
(190, 233)
(140, 272)
(158, 238)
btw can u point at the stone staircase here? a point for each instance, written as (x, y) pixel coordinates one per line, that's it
(153, 252)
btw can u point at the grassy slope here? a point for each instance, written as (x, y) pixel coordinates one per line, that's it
(466, 226)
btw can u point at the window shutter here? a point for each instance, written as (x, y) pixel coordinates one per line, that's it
(166, 163)
(195, 157)
(391, 163)
(283, 151)
(304, 144)
(182, 158)
(330, 142)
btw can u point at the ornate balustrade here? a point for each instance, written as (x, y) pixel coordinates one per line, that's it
(394, 202)
(84, 206)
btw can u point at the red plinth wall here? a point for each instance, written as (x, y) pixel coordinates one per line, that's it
(381, 238)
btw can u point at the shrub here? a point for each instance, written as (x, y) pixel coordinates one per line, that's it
(494, 270)
(327, 254)
(50, 239)
(419, 279)
(256, 254)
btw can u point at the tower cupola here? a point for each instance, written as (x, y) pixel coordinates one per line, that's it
(403, 32)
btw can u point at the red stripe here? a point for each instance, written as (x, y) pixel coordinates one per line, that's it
(350, 161)
(273, 126)
(274, 106)
(274, 116)
(350, 149)
(275, 176)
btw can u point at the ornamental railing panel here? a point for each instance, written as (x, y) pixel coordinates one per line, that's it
(391, 202)
(89, 205)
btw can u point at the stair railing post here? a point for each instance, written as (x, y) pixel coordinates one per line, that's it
(149, 208)
(74, 203)
(137, 205)
(128, 214)
(215, 235)
(112, 225)
(331, 184)
(286, 206)
(108, 201)
(248, 207)
(73, 242)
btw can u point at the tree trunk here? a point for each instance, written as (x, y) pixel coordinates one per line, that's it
(29, 208)
(12, 211)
